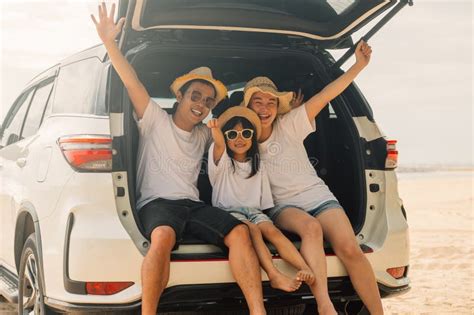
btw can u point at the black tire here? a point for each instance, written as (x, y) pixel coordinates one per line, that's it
(31, 291)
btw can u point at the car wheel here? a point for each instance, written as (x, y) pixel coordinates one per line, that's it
(30, 293)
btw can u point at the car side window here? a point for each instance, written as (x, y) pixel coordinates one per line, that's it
(76, 88)
(14, 121)
(35, 112)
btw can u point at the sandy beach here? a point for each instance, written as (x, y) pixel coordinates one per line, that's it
(440, 214)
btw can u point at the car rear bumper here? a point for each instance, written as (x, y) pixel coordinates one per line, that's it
(212, 297)
(386, 291)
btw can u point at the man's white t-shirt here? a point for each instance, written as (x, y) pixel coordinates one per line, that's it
(293, 179)
(232, 189)
(169, 158)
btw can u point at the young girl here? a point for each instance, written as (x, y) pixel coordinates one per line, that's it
(240, 186)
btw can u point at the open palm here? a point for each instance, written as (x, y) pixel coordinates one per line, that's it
(106, 28)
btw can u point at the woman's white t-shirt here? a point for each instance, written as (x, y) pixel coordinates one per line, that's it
(293, 179)
(169, 158)
(232, 189)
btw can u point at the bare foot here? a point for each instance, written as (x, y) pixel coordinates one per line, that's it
(306, 276)
(327, 309)
(282, 282)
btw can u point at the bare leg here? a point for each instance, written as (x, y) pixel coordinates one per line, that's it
(277, 279)
(287, 251)
(310, 231)
(339, 232)
(245, 268)
(156, 268)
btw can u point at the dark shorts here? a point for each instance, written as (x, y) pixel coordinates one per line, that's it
(204, 222)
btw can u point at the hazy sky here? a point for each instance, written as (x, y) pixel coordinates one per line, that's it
(419, 82)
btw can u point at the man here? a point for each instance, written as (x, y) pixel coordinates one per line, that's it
(169, 157)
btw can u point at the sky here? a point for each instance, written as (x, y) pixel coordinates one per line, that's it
(419, 82)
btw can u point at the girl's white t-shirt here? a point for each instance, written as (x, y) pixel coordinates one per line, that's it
(232, 189)
(169, 158)
(293, 179)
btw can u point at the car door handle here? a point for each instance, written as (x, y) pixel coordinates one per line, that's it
(21, 162)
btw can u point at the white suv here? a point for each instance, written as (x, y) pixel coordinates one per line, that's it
(70, 239)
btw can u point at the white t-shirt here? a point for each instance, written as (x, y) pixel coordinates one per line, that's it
(292, 177)
(169, 158)
(233, 189)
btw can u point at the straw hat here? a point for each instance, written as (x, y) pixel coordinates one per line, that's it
(240, 111)
(265, 85)
(202, 73)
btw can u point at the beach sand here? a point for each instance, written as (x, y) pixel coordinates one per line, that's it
(440, 214)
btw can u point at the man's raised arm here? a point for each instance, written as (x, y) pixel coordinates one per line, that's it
(108, 30)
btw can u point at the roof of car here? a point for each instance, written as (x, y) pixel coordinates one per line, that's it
(98, 51)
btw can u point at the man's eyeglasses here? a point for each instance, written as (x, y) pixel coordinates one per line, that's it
(233, 134)
(197, 97)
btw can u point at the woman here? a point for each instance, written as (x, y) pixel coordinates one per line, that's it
(304, 204)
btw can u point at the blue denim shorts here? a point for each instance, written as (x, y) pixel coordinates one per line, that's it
(252, 215)
(274, 212)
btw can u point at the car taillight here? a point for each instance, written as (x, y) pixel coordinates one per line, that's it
(89, 153)
(391, 161)
(106, 288)
(397, 272)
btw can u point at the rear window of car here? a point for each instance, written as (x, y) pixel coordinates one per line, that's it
(340, 5)
(319, 10)
(77, 89)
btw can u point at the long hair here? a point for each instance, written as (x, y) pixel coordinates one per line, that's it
(252, 154)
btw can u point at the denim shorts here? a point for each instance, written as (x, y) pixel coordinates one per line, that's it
(274, 212)
(252, 215)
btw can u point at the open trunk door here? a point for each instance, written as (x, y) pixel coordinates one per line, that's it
(329, 22)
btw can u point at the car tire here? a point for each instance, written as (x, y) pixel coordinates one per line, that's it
(31, 291)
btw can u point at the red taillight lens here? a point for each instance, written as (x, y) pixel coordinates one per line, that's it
(397, 272)
(391, 161)
(87, 152)
(106, 288)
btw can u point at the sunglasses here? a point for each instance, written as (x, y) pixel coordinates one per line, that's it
(197, 97)
(232, 134)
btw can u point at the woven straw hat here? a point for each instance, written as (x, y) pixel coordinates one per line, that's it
(202, 73)
(240, 111)
(265, 85)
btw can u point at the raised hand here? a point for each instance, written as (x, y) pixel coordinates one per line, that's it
(363, 52)
(213, 123)
(316, 103)
(216, 131)
(106, 28)
(297, 99)
(218, 137)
